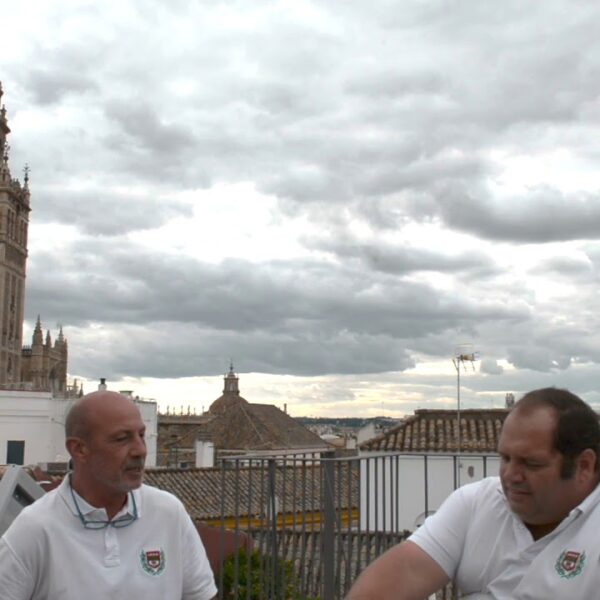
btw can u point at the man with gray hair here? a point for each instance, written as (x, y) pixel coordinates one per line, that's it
(102, 533)
(530, 534)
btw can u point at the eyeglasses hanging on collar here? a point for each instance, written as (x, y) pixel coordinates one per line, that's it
(122, 521)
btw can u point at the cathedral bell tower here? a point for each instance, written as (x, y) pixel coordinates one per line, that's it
(14, 223)
(231, 382)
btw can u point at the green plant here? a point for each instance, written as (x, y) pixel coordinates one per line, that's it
(256, 576)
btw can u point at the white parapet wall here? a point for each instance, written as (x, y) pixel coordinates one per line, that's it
(398, 491)
(34, 421)
(33, 424)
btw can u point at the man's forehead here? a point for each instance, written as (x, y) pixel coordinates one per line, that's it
(532, 424)
(114, 412)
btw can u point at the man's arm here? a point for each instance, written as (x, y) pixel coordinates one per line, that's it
(405, 572)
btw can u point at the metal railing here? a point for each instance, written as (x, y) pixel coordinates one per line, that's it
(316, 521)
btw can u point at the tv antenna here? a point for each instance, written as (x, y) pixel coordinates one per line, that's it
(463, 356)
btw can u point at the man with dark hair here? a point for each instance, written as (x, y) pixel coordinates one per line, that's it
(531, 534)
(102, 534)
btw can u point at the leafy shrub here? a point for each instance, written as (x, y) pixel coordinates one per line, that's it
(260, 577)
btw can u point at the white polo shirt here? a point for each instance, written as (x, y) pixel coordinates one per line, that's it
(47, 554)
(478, 541)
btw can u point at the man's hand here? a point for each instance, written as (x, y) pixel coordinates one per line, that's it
(404, 572)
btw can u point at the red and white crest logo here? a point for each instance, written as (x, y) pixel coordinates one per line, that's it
(153, 561)
(570, 563)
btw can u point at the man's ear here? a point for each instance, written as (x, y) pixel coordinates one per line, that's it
(586, 465)
(77, 448)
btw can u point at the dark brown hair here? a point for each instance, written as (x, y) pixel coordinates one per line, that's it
(577, 425)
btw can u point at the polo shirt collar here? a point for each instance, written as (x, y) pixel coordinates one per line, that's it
(590, 500)
(64, 489)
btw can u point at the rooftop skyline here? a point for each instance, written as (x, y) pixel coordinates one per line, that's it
(334, 196)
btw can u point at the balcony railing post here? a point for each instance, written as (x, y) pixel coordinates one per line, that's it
(328, 528)
(272, 572)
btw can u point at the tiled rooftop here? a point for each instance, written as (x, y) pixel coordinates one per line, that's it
(234, 424)
(209, 493)
(436, 431)
(248, 426)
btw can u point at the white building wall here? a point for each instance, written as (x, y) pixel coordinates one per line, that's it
(367, 432)
(399, 491)
(38, 419)
(149, 412)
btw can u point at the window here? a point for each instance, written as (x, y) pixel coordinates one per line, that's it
(15, 452)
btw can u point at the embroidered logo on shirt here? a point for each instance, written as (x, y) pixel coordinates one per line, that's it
(570, 563)
(153, 561)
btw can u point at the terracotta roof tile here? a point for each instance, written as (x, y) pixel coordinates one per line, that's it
(251, 426)
(209, 493)
(436, 431)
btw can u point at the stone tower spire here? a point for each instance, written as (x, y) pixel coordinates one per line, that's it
(4, 128)
(38, 336)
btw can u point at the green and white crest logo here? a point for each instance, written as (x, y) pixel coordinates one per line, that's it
(570, 563)
(153, 561)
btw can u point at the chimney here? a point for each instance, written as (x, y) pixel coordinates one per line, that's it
(509, 400)
(205, 451)
(102, 385)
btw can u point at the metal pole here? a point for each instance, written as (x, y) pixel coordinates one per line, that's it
(458, 439)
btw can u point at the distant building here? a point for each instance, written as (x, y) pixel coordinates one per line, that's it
(41, 366)
(233, 426)
(44, 366)
(426, 458)
(437, 431)
(14, 222)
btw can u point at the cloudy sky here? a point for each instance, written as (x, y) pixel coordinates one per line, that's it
(336, 195)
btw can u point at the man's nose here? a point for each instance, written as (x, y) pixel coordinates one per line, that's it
(513, 472)
(139, 446)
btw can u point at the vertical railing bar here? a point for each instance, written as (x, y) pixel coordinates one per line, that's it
(368, 499)
(303, 539)
(397, 510)
(249, 513)
(222, 534)
(273, 528)
(264, 529)
(384, 462)
(455, 469)
(349, 537)
(283, 530)
(294, 513)
(393, 498)
(328, 527)
(236, 512)
(338, 545)
(314, 570)
(377, 500)
(359, 533)
(426, 475)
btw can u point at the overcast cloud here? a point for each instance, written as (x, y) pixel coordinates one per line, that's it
(335, 195)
